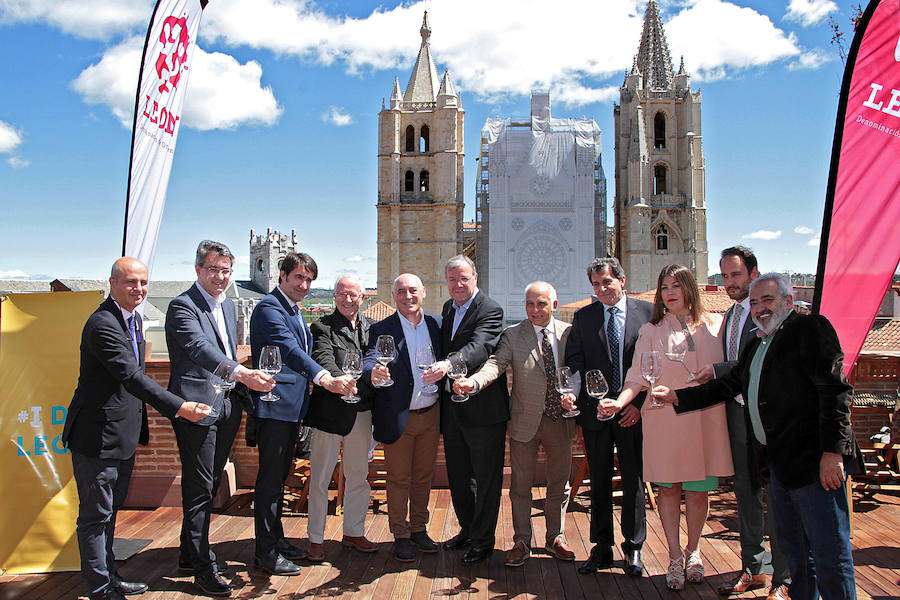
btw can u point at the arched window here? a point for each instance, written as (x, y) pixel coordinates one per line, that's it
(423, 139)
(662, 237)
(409, 184)
(410, 139)
(659, 130)
(423, 181)
(659, 180)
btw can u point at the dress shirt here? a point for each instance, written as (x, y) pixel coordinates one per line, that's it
(125, 313)
(622, 306)
(417, 335)
(745, 314)
(215, 305)
(460, 312)
(554, 340)
(307, 336)
(753, 384)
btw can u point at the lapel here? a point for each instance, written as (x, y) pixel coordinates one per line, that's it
(631, 326)
(293, 320)
(110, 305)
(467, 317)
(344, 332)
(396, 330)
(230, 312)
(747, 333)
(204, 307)
(724, 330)
(529, 341)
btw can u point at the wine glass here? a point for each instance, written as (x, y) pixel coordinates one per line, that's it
(222, 381)
(651, 365)
(270, 362)
(385, 348)
(353, 367)
(676, 350)
(458, 370)
(565, 384)
(424, 360)
(596, 386)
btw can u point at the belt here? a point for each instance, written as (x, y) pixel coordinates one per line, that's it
(420, 411)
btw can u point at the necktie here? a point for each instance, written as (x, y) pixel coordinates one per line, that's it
(552, 406)
(132, 332)
(612, 339)
(733, 335)
(302, 324)
(457, 319)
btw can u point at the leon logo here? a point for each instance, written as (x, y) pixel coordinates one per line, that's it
(175, 40)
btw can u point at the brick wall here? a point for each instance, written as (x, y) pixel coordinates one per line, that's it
(876, 375)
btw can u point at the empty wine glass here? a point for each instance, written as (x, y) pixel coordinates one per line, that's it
(565, 384)
(458, 370)
(353, 367)
(424, 360)
(676, 351)
(651, 365)
(596, 386)
(385, 349)
(222, 381)
(270, 362)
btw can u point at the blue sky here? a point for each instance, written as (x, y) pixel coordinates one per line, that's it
(281, 117)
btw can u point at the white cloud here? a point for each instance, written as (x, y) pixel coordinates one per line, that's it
(222, 93)
(14, 274)
(803, 230)
(809, 12)
(95, 19)
(10, 138)
(337, 116)
(17, 163)
(814, 242)
(354, 259)
(810, 60)
(762, 234)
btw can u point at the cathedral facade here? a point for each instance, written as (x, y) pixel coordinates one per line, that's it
(660, 204)
(420, 179)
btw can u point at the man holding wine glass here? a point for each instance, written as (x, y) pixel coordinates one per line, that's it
(277, 322)
(405, 415)
(201, 338)
(338, 339)
(534, 348)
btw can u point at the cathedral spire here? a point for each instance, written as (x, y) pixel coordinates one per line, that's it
(446, 85)
(423, 83)
(654, 59)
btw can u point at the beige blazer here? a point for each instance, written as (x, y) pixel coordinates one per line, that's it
(518, 348)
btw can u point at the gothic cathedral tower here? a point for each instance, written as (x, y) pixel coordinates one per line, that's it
(660, 208)
(420, 179)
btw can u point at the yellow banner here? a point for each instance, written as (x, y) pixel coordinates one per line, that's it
(40, 336)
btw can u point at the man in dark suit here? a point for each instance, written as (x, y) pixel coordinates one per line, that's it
(474, 431)
(603, 337)
(797, 409)
(405, 415)
(201, 338)
(277, 321)
(107, 419)
(336, 423)
(739, 269)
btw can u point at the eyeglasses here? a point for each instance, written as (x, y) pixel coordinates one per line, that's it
(350, 295)
(218, 271)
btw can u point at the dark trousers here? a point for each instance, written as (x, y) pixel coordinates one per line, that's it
(204, 450)
(475, 473)
(598, 447)
(102, 487)
(277, 441)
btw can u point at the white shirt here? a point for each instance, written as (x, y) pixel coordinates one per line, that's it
(215, 305)
(622, 305)
(417, 335)
(460, 311)
(551, 336)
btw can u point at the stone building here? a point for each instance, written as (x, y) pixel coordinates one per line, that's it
(266, 253)
(420, 179)
(660, 205)
(540, 205)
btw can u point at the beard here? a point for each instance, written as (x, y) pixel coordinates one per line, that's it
(768, 321)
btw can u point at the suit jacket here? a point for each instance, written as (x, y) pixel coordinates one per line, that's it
(391, 405)
(333, 337)
(476, 337)
(195, 349)
(748, 334)
(518, 348)
(273, 323)
(804, 401)
(107, 417)
(588, 349)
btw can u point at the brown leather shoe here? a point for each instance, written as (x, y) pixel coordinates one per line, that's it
(778, 592)
(360, 543)
(518, 555)
(560, 549)
(744, 583)
(315, 552)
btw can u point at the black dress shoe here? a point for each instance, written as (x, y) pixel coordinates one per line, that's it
(212, 585)
(276, 565)
(129, 588)
(403, 550)
(110, 593)
(458, 542)
(634, 566)
(600, 558)
(289, 551)
(188, 569)
(475, 555)
(424, 543)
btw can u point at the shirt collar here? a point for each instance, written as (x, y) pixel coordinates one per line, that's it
(405, 321)
(288, 300)
(620, 304)
(465, 306)
(125, 314)
(551, 328)
(212, 302)
(745, 304)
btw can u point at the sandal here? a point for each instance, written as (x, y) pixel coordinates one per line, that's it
(694, 567)
(675, 575)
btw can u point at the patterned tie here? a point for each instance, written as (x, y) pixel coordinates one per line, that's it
(132, 331)
(733, 336)
(612, 339)
(302, 323)
(552, 406)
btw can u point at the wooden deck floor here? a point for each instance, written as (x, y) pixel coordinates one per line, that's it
(350, 574)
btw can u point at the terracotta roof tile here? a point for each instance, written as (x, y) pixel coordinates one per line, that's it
(715, 299)
(379, 311)
(884, 337)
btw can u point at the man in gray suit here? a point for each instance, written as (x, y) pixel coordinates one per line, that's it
(534, 348)
(739, 269)
(201, 338)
